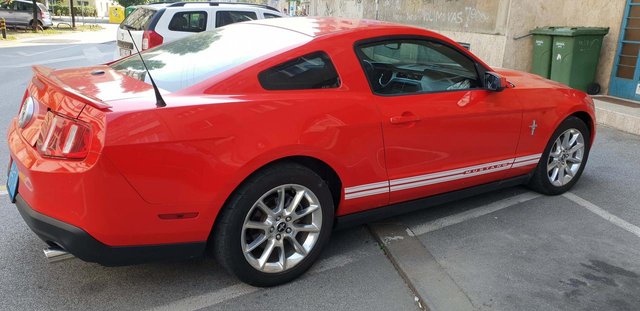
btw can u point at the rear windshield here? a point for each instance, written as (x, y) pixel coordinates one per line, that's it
(185, 62)
(138, 19)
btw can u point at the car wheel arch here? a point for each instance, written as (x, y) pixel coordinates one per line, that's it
(322, 168)
(587, 119)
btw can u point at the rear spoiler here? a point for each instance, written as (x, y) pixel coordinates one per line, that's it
(43, 74)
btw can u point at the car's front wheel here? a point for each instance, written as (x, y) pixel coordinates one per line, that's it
(564, 158)
(275, 225)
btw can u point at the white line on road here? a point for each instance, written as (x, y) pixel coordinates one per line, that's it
(237, 290)
(57, 60)
(474, 213)
(25, 54)
(602, 213)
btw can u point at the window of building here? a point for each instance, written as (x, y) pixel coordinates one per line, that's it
(312, 71)
(224, 18)
(189, 21)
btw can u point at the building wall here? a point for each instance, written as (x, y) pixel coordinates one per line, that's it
(492, 26)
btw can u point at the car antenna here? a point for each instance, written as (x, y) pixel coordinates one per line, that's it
(159, 101)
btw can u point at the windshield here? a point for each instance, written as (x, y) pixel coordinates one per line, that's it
(183, 63)
(138, 19)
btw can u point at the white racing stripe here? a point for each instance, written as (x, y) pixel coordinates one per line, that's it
(366, 193)
(603, 213)
(367, 187)
(439, 177)
(464, 174)
(474, 213)
(237, 290)
(450, 172)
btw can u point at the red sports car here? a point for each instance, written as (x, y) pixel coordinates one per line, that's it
(264, 136)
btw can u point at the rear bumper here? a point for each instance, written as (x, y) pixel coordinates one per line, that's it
(82, 245)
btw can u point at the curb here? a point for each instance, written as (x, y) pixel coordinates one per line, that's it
(434, 289)
(619, 117)
(620, 121)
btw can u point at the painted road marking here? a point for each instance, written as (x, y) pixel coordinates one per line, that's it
(474, 213)
(603, 213)
(56, 60)
(237, 290)
(3, 190)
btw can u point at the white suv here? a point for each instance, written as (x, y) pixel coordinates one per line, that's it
(155, 24)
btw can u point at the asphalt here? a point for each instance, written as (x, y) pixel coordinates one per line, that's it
(515, 250)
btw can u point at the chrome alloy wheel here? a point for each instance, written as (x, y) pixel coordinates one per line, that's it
(565, 157)
(281, 228)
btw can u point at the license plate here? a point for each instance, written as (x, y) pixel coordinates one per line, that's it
(125, 52)
(12, 182)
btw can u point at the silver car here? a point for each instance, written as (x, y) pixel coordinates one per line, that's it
(20, 13)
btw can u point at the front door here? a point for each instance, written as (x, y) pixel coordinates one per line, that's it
(442, 130)
(625, 76)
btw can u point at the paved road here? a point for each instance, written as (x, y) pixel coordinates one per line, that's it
(573, 252)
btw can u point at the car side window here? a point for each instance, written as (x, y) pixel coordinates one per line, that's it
(224, 18)
(403, 67)
(21, 6)
(312, 71)
(189, 21)
(268, 15)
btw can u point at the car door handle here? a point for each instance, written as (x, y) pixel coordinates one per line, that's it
(406, 117)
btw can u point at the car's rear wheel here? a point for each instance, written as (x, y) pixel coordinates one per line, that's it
(274, 226)
(564, 158)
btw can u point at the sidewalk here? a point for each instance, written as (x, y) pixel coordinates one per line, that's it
(81, 19)
(617, 113)
(100, 36)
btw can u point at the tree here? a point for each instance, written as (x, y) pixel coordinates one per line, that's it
(128, 3)
(34, 23)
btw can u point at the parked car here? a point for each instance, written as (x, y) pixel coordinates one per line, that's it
(155, 24)
(266, 135)
(20, 13)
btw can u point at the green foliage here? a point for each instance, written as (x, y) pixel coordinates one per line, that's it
(63, 9)
(127, 3)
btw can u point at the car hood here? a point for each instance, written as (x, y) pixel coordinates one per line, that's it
(528, 80)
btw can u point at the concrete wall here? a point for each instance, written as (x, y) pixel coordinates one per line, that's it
(491, 26)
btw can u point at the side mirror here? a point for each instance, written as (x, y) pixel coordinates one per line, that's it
(495, 82)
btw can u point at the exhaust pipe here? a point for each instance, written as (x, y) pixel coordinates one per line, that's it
(54, 254)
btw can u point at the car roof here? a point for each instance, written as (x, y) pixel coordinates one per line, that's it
(322, 26)
(230, 5)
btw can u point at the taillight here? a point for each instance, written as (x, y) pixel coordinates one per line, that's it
(62, 137)
(151, 39)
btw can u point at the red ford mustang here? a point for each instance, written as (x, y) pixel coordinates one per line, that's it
(268, 134)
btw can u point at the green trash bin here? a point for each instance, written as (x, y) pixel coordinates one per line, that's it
(542, 42)
(129, 9)
(575, 56)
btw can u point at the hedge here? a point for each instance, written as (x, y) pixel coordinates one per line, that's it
(61, 9)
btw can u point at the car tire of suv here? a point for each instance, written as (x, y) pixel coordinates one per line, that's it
(235, 230)
(558, 158)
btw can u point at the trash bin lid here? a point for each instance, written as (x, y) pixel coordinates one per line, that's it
(570, 31)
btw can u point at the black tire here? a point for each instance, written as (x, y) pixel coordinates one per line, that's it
(225, 239)
(39, 27)
(593, 88)
(540, 181)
